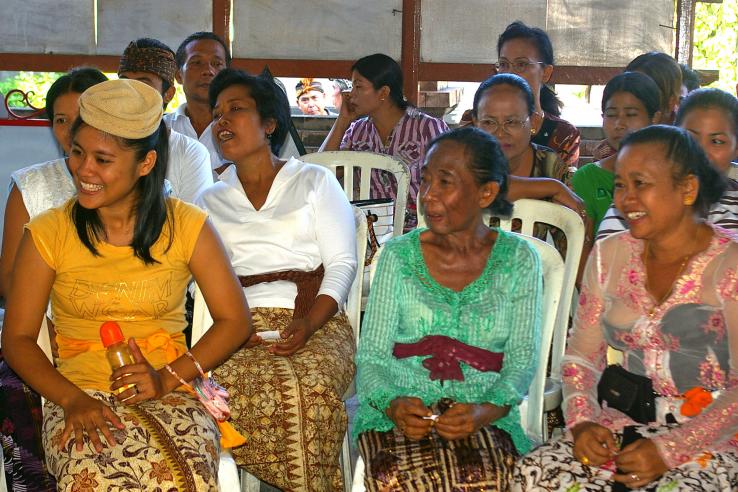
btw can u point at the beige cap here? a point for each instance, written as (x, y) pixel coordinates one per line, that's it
(124, 108)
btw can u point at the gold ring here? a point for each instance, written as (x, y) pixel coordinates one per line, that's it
(585, 460)
(634, 476)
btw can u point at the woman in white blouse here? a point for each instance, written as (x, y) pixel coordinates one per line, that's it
(290, 234)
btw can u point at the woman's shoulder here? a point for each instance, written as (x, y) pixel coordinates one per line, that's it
(52, 221)
(513, 245)
(402, 246)
(186, 215)
(562, 126)
(49, 171)
(181, 208)
(431, 123)
(210, 193)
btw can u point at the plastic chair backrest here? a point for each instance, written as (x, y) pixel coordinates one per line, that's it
(366, 161)
(202, 321)
(552, 266)
(553, 269)
(529, 212)
(733, 171)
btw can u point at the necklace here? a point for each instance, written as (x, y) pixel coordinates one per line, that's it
(682, 265)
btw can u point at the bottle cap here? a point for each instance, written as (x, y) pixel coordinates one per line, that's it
(110, 333)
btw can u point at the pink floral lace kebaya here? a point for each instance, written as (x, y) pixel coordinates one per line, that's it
(688, 346)
(691, 340)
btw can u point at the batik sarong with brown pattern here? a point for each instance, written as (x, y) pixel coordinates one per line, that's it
(290, 409)
(482, 461)
(167, 444)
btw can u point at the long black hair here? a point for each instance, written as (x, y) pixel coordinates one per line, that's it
(687, 158)
(151, 209)
(485, 160)
(550, 103)
(381, 70)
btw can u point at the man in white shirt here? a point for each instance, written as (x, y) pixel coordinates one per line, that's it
(199, 59)
(188, 168)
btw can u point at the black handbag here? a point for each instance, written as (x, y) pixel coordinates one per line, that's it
(629, 393)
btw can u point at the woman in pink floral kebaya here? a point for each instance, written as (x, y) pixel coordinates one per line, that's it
(665, 294)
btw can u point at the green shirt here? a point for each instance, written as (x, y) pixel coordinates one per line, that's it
(500, 311)
(594, 186)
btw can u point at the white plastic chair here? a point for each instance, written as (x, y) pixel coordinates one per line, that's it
(733, 171)
(228, 478)
(201, 321)
(366, 161)
(529, 212)
(532, 416)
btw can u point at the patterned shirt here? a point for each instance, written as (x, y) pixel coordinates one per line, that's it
(690, 340)
(500, 311)
(408, 141)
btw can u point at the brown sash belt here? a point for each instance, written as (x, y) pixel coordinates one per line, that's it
(308, 284)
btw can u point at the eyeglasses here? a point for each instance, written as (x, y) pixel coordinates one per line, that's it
(518, 66)
(508, 126)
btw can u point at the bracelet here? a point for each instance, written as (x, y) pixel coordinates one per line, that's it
(197, 364)
(176, 376)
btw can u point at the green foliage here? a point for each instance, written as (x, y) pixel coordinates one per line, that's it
(716, 41)
(36, 82)
(39, 83)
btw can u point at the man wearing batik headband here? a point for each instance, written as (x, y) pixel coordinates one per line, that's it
(188, 167)
(311, 97)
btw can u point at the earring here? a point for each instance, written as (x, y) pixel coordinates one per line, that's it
(269, 136)
(532, 131)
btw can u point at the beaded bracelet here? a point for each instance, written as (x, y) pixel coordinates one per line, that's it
(210, 394)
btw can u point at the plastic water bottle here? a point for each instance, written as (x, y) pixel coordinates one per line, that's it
(117, 351)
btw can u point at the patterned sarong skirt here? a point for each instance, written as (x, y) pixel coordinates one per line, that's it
(290, 409)
(167, 444)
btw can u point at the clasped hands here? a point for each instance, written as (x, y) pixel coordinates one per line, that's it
(639, 462)
(458, 422)
(85, 414)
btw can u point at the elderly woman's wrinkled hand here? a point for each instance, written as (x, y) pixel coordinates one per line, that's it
(407, 413)
(640, 464)
(594, 444)
(295, 337)
(464, 419)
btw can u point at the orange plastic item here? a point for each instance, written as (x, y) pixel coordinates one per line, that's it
(110, 333)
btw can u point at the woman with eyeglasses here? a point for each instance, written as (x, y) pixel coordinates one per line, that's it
(504, 107)
(527, 51)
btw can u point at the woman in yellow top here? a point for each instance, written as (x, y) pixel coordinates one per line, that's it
(122, 250)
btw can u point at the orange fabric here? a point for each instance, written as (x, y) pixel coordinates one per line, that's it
(229, 436)
(695, 400)
(173, 345)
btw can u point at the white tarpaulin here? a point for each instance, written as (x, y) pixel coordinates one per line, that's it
(169, 21)
(316, 29)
